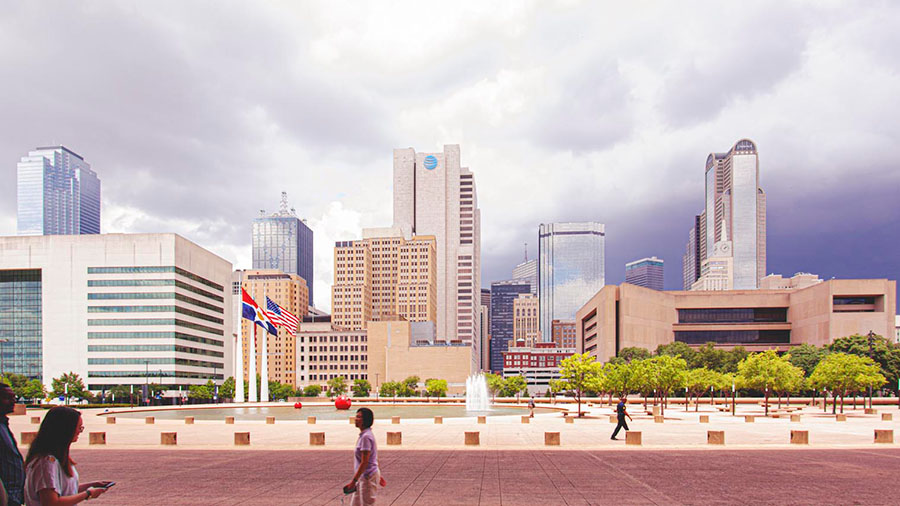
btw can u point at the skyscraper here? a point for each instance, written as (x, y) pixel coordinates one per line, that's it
(503, 297)
(434, 195)
(646, 272)
(485, 319)
(526, 325)
(528, 271)
(691, 260)
(735, 201)
(284, 242)
(57, 193)
(571, 257)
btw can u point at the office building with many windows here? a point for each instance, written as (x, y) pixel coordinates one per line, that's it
(624, 316)
(528, 271)
(503, 298)
(571, 258)
(646, 272)
(57, 193)
(116, 309)
(284, 242)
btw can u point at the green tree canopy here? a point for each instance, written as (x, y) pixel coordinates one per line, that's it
(361, 388)
(701, 380)
(389, 389)
(337, 386)
(514, 385)
(579, 373)
(844, 373)
(677, 349)
(435, 387)
(764, 371)
(226, 390)
(312, 391)
(806, 357)
(34, 390)
(631, 353)
(76, 386)
(710, 357)
(495, 383)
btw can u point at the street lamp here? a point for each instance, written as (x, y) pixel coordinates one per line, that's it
(871, 340)
(376, 385)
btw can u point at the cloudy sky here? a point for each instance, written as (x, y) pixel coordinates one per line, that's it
(196, 115)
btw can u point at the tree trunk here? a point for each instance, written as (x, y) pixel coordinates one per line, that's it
(645, 402)
(578, 397)
(779, 400)
(767, 402)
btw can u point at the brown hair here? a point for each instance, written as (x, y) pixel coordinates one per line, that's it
(55, 436)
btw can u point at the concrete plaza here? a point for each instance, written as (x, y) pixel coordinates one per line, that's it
(501, 477)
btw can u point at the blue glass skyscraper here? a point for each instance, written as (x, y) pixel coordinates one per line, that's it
(503, 295)
(57, 194)
(284, 242)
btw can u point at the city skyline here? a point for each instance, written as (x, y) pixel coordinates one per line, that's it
(538, 158)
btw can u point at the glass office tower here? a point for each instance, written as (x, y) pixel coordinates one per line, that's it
(571, 257)
(57, 194)
(284, 242)
(503, 296)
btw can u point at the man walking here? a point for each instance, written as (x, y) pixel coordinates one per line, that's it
(621, 413)
(12, 469)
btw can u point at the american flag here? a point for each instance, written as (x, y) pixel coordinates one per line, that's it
(281, 316)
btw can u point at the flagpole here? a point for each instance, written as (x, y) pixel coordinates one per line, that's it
(253, 397)
(238, 354)
(264, 364)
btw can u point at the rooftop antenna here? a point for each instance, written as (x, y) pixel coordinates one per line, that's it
(284, 203)
(262, 213)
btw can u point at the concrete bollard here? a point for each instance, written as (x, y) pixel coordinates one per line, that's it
(526, 419)
(795, 418)
(35, 419)
(715, 437)
(316, 439)
(19, 409)
(270, 420)
(394, 438)
(613, 419)
(749, 418)
(482, 419)
(168, 438)
(884, 436)
(149, 420)
(189, 420)
(229, 420)
(438, 420)
(551, 439)
(110, 420)
(473, 438)
(657, 411)
(840, 418)
(658, 419)
(799, 437)
(570, 419)
(241, 439)
(97, 438)
(310, 420)
(704, 418)
(632, 438)
(395, 420)
(26, 438)
(887, 417)
(871, 411)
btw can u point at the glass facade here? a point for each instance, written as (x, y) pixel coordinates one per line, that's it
(734, 315)
(21, 322)
(284, 242)
(647, 272)
(744, 233)
(57, 194)
(503, 296)
(733, 336)
(571, 258)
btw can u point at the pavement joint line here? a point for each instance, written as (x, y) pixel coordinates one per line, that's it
(546, 456)
(666, 499)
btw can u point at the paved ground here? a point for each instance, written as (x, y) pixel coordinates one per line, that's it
(229, 477)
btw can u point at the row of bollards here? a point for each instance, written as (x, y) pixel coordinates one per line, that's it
(713, 437)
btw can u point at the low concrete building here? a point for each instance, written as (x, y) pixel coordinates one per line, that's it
(626, 315)
(117, 309)
(325, 352)
(538, 364)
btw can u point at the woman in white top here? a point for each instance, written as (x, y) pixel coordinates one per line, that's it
(50, 475)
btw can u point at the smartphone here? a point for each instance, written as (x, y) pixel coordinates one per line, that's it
(109, 485)
(349, 490)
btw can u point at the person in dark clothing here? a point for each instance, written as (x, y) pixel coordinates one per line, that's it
(12, 466)
(621, 413)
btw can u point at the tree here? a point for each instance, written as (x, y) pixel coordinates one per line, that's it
(226, 391)
(121, 393)
(710, 357)
(34, 390)
(883, 352)
(762, 371)
(408, 387)
(732, 358)
(312, 391)
(844, 373)
(202, 392)
(495, 384)
(669, 375)
(700, 380)
(436, 387)
(75, 390)
(389, 389)
(579, 373)
(515, 385)
(806, 357)
(17, 382)
(361, 388)
(155, 389)
(631, 353)
(337, 386)
(279, 391)
(677, 349)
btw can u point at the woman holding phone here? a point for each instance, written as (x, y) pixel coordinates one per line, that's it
(365, 462)
(50, 475)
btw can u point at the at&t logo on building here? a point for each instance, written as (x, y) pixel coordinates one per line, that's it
(430, 162)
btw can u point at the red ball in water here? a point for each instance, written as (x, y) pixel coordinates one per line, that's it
(297, 405)
(342, 402)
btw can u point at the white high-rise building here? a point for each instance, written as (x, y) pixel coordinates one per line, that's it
(434, 195)
(527, 270)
